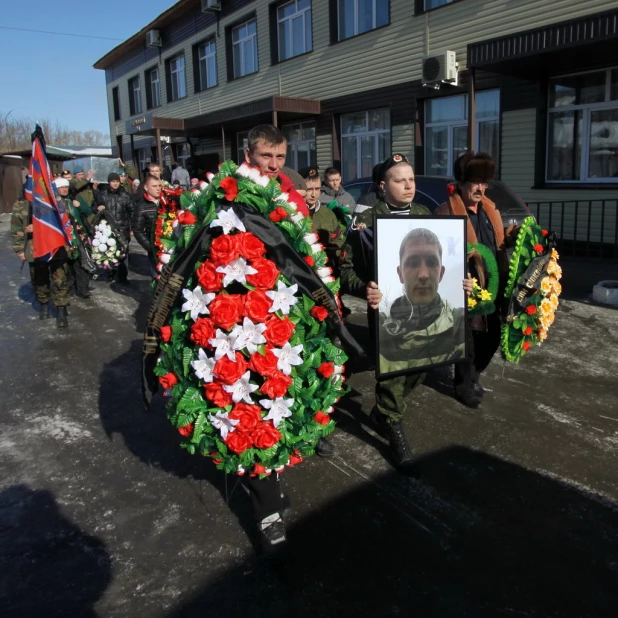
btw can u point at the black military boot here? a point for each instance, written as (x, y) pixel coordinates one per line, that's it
(325, 448)
(62, 317)
(44, 311)
(401, 452)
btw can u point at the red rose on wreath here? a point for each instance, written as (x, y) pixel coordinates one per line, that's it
(538, 248)
(277, 385)
(266, 275)
(248, 415)
(309, 260)
(215, 393)
(294, 459)
(265, 365)
(168, 380)
(278, 331)
(527, 330)
(209, 278)
(187, 218)
(321, 418)
(186, 431)
(257, 305)
(229, 186)
(250, 246)
(276, 215)
(238, 442)
(258, 469)
(326, 369)
(530, 309)
(319, 313)
(201, 331)
(545, 233)
(166, 333)
(265, 435)
(226, 310)
(224, 249)
(525, 345)
(229, 372)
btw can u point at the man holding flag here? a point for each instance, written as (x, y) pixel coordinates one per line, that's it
(51, 232)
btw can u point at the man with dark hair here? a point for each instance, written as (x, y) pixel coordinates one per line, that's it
(473, 173)
(266, 150)
(332, 189)
(145, 215)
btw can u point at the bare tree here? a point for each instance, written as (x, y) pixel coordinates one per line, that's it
(15, 134)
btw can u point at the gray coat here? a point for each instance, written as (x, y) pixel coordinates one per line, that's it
(341, 196)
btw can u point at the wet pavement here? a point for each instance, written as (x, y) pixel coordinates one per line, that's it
(512, 512)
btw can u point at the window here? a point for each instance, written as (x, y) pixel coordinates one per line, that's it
(244, 49)
(153, 88)
(582, 128)
(143, 158)
(446, 129)
(358, 16)
(242, 141)
(434, 4)
(294, 28)
(177, 87)
(207, 59)
(365, 141)
(183, 154)
(135, 96)
(301, 144)
(116, 100)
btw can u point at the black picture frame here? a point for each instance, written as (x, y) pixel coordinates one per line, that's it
(399, 338)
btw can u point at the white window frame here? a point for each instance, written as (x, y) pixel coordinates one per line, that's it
(136, 94)
(183, 153)
(249, 39)
(586, 109)
(295, 145)
(155, 87)
(435, 4)
(178, 77)
(357, 29)
(205, 52)
(305, 14)
(376, 142)
(453, 124)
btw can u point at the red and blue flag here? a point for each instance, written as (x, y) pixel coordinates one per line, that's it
(50, 221)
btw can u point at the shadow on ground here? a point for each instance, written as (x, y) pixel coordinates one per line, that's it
(490, 539)
(39, 548)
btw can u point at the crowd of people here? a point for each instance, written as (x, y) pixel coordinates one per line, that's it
(345, 230)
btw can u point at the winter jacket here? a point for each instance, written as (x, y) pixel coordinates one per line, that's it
(341, 196)
(144, 218)
(21, 218)
(118, 204)
(182, 176)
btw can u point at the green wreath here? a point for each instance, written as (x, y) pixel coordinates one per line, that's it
(482, 301)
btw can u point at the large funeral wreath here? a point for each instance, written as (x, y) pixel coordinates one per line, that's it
(247, 360)
(532, 290)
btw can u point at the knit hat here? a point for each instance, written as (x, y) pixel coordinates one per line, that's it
(113, 176)
(61, 182)
(136, 182)
(470, 167)
(195, 181)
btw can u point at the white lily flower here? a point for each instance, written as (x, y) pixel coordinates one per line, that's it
(242, 389)
(279, 409)
(228, 220)
(288, 356)
(224, 344)
(249, 335)
(237, 270)
(203, 366)
(196, 301)
(283, 298)
(224, 424)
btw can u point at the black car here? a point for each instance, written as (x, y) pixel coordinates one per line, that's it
(431, 191)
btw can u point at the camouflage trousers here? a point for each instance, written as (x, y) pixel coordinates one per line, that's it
(51, 282)
(391, 395)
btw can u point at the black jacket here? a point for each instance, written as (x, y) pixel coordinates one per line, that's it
(118, 204)
(144, 217)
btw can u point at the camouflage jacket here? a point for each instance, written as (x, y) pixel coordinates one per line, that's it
(82, 188)
(325, 224)
(357, 263)
(21, 217)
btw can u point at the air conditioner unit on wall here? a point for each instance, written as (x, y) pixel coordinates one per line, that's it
(440, 69)
(211, 5)
(153, 38)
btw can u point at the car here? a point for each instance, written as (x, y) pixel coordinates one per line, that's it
(431, 191)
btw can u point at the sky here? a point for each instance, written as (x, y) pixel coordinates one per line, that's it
(449, 231)
(67, 88)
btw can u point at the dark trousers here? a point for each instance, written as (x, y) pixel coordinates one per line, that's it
(79, 278)
(480, 349)
(265, 495)
(121, 272)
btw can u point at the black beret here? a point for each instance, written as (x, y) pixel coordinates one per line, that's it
(394, 159)
(309, 172)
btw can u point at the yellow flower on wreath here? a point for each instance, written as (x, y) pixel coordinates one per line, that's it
(546, 285)
(554, 255)
(553, 299)
(556, 287)
(471, 303)
(485, 295)
(546, 307)
(542, 333)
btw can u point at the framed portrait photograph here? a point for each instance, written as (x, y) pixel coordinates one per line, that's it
(420, 265)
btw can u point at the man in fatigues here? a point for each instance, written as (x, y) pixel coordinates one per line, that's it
(81, 187)
(396, 182)
(41, 272)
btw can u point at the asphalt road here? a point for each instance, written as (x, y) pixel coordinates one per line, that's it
(513, 511)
